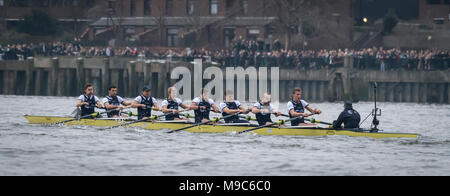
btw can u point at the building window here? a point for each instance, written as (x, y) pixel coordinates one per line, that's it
(172, 37)
(90, 3)
(214, 7)
(75, 3)
(19, 3)
(229, 5)
(169, 7)
(132, 8)
(2, 3)
(244, 6)
(147, 7)
(130, 30)
(44, 3)
(190, 9)
(228, 36)
(253, 34)
(57, 3)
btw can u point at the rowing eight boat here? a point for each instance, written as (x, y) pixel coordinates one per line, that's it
(220, 128)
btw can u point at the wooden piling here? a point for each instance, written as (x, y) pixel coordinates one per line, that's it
(29, 75)
(147, 69)
(132, 76)
(53, 77)
(106, 75)
(448, 93)
(80, 74)
(161, 80)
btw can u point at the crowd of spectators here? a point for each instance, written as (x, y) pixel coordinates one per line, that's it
(249, 53)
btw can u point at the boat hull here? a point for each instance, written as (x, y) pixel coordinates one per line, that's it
(288, 131)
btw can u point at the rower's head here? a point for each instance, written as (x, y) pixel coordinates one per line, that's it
(266, 98)
(229, 95)
(147, 91)
(112, 91)
(348, 105)
(89, 90)
(297, 94)
(204, 93)
(172, 92)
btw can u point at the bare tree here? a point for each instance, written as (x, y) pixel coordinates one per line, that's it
(304, 19)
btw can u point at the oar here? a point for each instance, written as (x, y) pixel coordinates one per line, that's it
(280, 122)
(312, 120)
(138, 121)
(144, 120)
(76, 113)
(210, 121)
(94, 115)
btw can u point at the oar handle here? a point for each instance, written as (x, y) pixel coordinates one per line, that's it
(153, 117)
(247, 117)
(210, 121)
(280, 122)
(312, 120)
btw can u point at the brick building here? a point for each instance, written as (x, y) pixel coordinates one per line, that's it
(434, 9)
(190, 23)
(184, 23)
(71, 13)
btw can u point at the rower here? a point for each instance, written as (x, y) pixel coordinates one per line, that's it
(88, 101)
(202, 106)
(230, 107)
(114, 102)
(296, 107)
(263, 110)
(350, 117)
(172, 104)
(144, 103)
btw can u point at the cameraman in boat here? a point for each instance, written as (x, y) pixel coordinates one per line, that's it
(350, 117)
(171, 105)
(296, 108)
(145, 103)
(88, 101)
(113, 103)
(263, 110)
(231, 107)
(202, 106)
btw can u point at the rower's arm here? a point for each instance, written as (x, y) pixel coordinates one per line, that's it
(155, 107)
(295, 114)
(337, 123)
(193, 106)
(165, 110)
(230, 111)
(184, 106)
(255, 110)
(126, 103)
(79, 103)
(109, 106)
(216, 109)
(313, 111)
(134, 104)
(99, 104)
(243, 110)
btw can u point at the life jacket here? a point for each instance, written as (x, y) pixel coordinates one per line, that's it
(147, 112)
(298, 107)
(113, 101)
(172, 105)
(263, 118)
(231, 106)
(201, 114)
(88, 109)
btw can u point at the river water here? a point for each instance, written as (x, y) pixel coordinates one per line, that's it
(41, 150)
